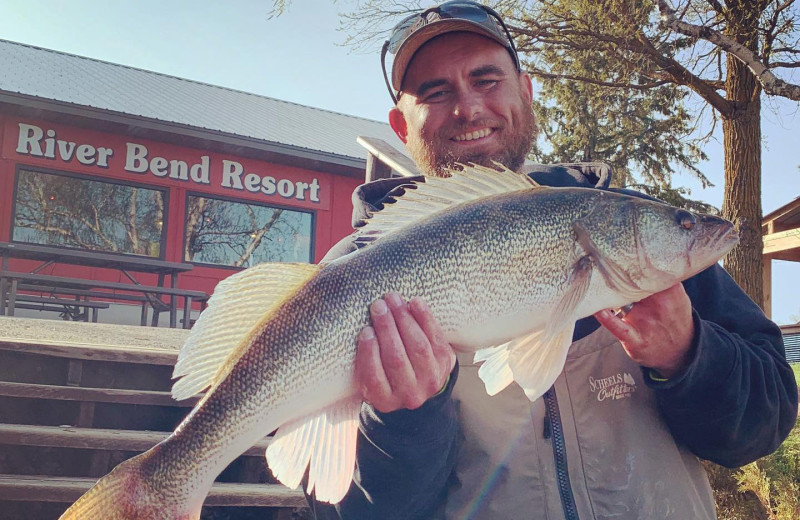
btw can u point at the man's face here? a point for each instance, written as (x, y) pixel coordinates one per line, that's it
(463, 101)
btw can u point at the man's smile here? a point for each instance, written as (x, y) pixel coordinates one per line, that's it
(473, 135)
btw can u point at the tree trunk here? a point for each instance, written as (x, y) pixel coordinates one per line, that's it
(742, 149)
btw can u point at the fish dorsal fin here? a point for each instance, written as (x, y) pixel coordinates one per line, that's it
(439, 193)
(239, 304)
(325, 443)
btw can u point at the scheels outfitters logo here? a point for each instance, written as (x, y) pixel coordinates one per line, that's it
(618, 386)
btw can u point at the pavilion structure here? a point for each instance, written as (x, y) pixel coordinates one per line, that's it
(781, 232)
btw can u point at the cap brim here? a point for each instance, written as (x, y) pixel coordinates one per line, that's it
(419, 38)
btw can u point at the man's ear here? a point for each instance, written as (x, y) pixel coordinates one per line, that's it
(526, 87)
(398, 123)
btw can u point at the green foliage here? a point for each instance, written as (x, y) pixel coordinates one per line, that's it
(676, 197)
(641, 134)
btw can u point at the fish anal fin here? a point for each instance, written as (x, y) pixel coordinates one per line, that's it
(325, 443)
(239, 305)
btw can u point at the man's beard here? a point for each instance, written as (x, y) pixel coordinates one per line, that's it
(436, 162)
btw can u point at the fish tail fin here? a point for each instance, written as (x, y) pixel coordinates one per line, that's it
(127, 493)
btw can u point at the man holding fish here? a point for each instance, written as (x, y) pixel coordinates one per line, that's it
(502, 389)
(695, 370)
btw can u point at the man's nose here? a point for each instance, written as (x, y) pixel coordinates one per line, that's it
(468, 105)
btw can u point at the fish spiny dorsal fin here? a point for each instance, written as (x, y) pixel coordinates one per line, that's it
(439, 193)
(239, 304)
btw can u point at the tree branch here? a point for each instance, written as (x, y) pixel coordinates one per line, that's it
(683, 76)
(643, 86)
(769, 82)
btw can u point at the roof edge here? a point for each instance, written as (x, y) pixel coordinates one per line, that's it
(198, 82)
(188, 135)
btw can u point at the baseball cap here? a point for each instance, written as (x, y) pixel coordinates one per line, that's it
(416, 30)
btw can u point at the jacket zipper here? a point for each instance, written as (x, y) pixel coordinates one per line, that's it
(553, 428)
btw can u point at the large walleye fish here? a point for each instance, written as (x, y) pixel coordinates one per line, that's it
(506, 266)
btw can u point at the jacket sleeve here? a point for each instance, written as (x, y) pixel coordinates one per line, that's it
(404, 460)
(737, 401)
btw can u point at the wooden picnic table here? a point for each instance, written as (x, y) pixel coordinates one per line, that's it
(129, 265)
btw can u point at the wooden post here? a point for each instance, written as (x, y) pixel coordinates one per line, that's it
(376, 169)
(766, 277)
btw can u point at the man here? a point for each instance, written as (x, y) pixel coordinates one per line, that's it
(696, 370)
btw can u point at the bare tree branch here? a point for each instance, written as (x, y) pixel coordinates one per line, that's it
(768, 81)
(683, 76)
(641, 86)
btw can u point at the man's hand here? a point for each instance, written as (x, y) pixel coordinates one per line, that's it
(402, 359)
(657, 332)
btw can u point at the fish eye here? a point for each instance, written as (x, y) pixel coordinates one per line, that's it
(685, 219)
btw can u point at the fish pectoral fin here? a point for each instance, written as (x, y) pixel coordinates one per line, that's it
(325, 443)
(239, 303)
(577, 285)
(494, 372)
(537, 359)
(615, 276)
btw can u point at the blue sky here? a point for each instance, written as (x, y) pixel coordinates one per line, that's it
(298, 57)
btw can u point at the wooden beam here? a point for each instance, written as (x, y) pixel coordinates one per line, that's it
(100, 341)
(96, 352)
(95, 395)
(782, 241)
(376, 169)
(35, 488)
(766, 277)
(94, 438)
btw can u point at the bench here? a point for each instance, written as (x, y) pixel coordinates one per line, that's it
(69, 308)
(78, 429)
(156, 304)
(60, 284)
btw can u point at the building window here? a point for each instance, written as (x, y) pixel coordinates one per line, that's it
(70, 211)
(243, 234)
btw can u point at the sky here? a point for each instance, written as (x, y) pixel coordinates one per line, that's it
(299, 57)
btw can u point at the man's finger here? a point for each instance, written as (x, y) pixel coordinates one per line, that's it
(440, 348)
(371, 378)
(396, 364)
(621, 329)
(417, 343)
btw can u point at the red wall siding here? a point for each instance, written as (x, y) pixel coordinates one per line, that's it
(328, 196)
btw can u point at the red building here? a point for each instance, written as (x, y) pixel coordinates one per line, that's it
(102, 157)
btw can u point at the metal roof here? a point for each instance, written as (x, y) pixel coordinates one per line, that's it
(85, 82)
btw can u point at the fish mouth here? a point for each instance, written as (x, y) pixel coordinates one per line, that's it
(726, 236)
(721, 238)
